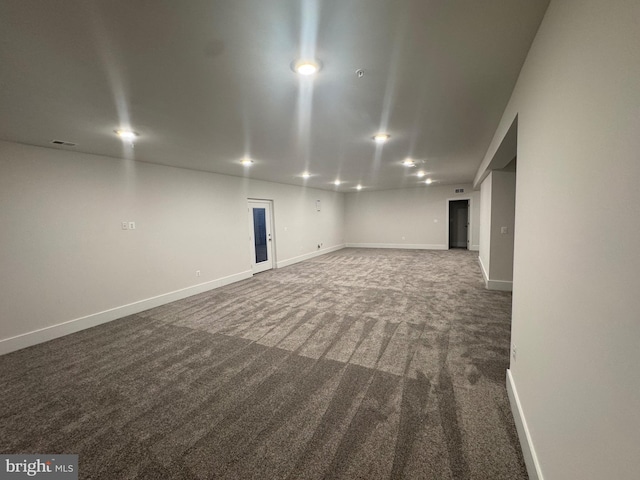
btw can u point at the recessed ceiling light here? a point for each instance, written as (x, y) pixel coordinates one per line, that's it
(306, 175)
(336, 183)
(407, 162)
(420, 174)
(428, 181)
(381, 137)
(246, 161)
(306, 67)
(127, 135)
(359, 187)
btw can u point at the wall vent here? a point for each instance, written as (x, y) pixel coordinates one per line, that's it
(459, 190)
(63, 143)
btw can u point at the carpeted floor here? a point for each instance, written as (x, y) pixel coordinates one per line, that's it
(359, 364)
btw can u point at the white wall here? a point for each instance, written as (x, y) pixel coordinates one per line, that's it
(383, 218)
(503, 206)
(576, 320)
(498, 193)
(485, 227)
(64, 256)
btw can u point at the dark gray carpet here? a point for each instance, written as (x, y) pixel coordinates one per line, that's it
(368, 364)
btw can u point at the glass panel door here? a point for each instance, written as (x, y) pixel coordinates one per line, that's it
(261, 239)
(260, 234)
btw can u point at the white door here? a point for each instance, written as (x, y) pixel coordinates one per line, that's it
(261, 237)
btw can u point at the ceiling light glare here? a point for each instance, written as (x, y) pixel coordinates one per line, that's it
(246, 162)
(306, 68)
(127, 135)
(428, 181)
(359, 187)
(408, 163)
(306, 175)
(381, 137)
(420, 174)
(337, 183)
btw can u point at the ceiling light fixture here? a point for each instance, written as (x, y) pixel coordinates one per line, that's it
(381, 137)
(246, 161)
(428, 181)
(306, 67)
(337, 183)
(407, 162)
(359, 187)
(306, 175)
(420, 174)
(127, 135)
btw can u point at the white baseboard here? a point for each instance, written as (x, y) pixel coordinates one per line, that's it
(528, 450)
(501, 285)
(18, 342)
(406, 246)
(307, 256)
(485, 276)
(474, 248)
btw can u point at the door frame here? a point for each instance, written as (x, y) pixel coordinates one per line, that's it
(274, 263)
(469, 230)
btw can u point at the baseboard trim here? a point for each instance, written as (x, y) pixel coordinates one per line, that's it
(485, 276)
(475, 248)
(526, 443)
(307, 256)
(405, 246)
(35, 337)
(500, 285)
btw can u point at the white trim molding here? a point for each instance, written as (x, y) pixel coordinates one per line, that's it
(485, 276)
(28, 339)
(526, 443)
(307, 256)
(500, 285)
(406, 246)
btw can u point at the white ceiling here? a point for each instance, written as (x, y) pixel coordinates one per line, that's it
(205, 83)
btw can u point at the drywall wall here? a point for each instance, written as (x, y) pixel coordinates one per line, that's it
(576, 270)
(407, 218)
(485, 227)
(498, 194)
(503, 206)
(65, 258)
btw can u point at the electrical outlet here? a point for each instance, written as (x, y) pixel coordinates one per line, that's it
(514, 351)
(197, 273)
(132, 225)
(125, 226)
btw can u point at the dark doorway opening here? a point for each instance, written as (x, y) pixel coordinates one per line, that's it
(459, 224)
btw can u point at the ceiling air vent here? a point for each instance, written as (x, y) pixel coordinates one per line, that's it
(63, 143)
(459, 190)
